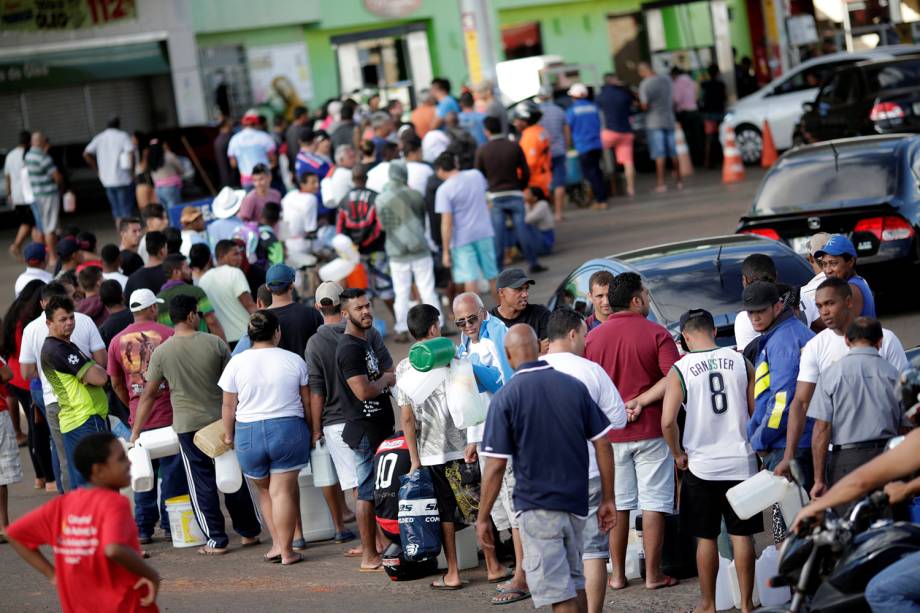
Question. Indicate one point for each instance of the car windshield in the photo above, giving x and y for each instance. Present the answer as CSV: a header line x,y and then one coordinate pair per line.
x,y
894,76
817,181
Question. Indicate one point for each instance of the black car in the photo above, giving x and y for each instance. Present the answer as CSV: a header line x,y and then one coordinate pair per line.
x,y
867,188
869,97
703,273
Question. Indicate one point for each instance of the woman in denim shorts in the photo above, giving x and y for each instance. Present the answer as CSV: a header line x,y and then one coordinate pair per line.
x,y
266,395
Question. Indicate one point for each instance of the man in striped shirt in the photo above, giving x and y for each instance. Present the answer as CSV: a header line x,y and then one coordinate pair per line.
x,y
45,180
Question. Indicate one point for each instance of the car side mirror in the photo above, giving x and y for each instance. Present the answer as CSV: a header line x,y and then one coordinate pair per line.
x,y
808,107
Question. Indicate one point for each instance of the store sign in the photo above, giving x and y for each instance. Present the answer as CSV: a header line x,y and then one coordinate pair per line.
x,y
36,15
392,8
280,77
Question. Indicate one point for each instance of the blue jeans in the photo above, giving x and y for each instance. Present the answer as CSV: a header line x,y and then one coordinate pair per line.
x,y
364,469
541,240
172,483
896,589
39,400
121,200
73,438
169,195
514,206
268,446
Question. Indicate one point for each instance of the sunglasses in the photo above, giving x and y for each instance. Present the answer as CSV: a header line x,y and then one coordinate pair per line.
x,y
469,321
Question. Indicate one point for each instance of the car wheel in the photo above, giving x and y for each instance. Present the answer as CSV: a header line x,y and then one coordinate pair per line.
x,y
750,144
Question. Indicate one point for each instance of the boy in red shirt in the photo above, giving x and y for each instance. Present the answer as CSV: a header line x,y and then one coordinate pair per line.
x,y
98,564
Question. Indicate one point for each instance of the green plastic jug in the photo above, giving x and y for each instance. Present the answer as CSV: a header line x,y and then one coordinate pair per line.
x,y
432,353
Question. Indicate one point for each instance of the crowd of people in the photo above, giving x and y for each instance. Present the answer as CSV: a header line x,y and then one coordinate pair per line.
x,y
191,324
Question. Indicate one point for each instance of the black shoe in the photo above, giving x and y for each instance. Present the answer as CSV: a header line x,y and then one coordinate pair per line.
x,y
538,268
145,540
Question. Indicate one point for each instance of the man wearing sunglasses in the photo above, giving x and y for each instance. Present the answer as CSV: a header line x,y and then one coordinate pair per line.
x,y
807,293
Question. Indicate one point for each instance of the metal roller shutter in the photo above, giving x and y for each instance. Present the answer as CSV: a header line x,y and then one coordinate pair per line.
x,y
60,113
11,122
129,99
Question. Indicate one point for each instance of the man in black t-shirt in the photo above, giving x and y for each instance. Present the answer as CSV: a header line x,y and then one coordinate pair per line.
x,y
152,276
297,321
514,306
367,409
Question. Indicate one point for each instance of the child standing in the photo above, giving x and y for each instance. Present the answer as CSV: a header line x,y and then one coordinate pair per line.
x,y
97,557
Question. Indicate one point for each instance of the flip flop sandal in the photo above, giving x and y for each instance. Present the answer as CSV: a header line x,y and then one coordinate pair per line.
x,y
441,585
297,560
258,541
668,582
207,551
375,569
519,595
350,554
275,559
503,577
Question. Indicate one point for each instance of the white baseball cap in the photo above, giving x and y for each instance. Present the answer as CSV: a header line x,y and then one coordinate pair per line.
x,y
142,299
578,90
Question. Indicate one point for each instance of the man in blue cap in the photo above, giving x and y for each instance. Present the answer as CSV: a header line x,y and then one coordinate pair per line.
x,y
35,257
297,321
838,257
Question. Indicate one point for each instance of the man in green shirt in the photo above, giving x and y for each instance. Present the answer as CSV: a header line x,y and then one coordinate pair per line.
x,y
77,382
179,283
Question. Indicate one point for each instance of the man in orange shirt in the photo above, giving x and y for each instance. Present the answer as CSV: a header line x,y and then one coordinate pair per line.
x,y
425,114
534,141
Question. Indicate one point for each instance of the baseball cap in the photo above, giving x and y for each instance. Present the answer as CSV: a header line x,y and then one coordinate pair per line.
x,y
515,278
190,214
320,135
817,242
696,314
759,295
67,247
328,290
838,244
279,275
34,252
141,299
250,118
578,90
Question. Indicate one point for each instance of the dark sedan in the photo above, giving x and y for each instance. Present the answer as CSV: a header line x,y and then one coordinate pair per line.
x,y
703,273
867,188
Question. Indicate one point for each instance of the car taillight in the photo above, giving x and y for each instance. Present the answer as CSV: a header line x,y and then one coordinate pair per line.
x,y
765,232
888,228
883,111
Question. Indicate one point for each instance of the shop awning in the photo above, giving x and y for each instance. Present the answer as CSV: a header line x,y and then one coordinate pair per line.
x,y
51,69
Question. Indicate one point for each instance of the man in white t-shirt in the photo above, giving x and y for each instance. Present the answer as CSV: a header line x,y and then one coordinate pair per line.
x,y
834,299
807,293
337,185
85,336
716,386
419,171
566,331
250,147
228,290
755,267
298,219
111,154
13,166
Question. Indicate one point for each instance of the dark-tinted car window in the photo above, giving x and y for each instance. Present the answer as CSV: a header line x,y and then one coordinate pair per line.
x,y
894,76
808,78
839,89
816,181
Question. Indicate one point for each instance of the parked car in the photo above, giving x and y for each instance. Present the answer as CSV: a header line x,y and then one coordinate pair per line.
x,y
703,273
780,101
867,188
870,97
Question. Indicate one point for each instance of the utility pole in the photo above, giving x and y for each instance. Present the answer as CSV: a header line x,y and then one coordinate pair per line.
x,y
476,17
722,36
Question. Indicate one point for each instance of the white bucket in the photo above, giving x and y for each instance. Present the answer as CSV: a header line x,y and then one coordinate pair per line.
x,y
467,550
314,514
723,586
227,472
752,496
182,523
142,477
159,443
321,466
765,569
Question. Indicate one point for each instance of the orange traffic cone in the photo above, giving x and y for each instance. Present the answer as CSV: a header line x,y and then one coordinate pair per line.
x,y
732,166
768,155
683,152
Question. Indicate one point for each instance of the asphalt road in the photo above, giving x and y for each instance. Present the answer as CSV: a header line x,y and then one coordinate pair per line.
x,y
330,582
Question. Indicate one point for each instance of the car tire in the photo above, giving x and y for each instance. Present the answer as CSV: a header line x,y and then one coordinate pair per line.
x,y
750,144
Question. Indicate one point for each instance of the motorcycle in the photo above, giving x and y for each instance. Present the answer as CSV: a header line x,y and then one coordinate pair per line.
x,y
829,563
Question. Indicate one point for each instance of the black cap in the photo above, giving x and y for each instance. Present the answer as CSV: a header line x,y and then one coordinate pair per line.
x,y
515,278
759,295
696,314
67,247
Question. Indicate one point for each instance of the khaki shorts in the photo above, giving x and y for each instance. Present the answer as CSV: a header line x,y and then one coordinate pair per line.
x,y
10,466
552,543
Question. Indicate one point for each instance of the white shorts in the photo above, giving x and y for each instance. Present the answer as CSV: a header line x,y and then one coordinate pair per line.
x,y
644,476
343,456
10,466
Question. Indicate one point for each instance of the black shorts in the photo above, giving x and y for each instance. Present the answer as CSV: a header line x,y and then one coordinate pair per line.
x,y
444,493
703,505
23,215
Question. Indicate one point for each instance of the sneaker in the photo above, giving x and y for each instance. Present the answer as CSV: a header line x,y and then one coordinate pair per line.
x,y
299,544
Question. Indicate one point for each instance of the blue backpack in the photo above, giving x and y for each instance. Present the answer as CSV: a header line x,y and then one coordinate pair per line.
x,y
419,522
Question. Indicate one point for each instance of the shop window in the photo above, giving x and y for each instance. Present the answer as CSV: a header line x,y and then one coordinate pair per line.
x,y
523,40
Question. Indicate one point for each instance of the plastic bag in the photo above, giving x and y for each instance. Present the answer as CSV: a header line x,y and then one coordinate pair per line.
x,y
466,405
419,522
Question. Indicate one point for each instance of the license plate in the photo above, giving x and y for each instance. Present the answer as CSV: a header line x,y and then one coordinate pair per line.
x,y
799,244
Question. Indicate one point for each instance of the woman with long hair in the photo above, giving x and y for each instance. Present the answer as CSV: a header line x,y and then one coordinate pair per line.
x,y
24,309
143,185
265,411
166,172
